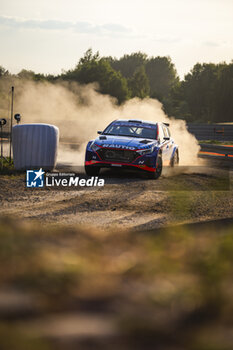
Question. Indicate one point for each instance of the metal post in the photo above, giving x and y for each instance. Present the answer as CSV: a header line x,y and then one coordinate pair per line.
x,y
1,148
12,111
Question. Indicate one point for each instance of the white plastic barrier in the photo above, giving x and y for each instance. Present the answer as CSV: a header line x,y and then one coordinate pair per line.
x,y
35,146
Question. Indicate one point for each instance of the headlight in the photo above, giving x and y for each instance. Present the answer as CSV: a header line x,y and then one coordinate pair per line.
x,y
146,151
94,147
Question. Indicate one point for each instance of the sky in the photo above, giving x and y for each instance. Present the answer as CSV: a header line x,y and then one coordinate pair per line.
x,y
48,36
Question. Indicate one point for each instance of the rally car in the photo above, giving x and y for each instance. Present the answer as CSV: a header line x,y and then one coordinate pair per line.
x,y
134,144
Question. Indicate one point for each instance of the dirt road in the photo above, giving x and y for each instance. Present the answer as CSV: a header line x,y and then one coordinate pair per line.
x,y
127,200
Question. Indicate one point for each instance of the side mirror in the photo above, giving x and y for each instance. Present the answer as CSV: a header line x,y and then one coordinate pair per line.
x,y
166,138
99,132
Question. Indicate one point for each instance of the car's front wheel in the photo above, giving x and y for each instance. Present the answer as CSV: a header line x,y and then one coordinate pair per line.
x,y
91,170
159,167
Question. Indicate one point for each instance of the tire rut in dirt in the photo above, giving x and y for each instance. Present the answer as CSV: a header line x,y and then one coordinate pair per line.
x,y
90,202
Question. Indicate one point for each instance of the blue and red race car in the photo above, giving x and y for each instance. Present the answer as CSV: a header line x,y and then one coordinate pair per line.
x,y
134,144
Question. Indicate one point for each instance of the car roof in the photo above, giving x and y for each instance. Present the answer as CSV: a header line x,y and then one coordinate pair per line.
x,y
140,121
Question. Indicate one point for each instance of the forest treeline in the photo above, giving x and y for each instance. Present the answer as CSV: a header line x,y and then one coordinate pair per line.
x,y
204,95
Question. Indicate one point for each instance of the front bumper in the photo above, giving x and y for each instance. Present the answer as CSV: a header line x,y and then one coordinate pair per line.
x,y
104,164
131,160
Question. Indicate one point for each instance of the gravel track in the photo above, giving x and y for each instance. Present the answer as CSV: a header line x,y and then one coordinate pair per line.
x,y
128,200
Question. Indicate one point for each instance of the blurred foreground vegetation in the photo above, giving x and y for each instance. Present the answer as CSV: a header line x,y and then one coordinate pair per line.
x,y
69,288
205,94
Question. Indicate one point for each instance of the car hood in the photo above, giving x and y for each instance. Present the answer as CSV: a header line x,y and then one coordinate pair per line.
x,y
124,142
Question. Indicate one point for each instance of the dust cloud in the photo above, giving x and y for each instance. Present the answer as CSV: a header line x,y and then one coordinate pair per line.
x,y
80,111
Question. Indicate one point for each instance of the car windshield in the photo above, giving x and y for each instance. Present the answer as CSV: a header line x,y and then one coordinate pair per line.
x,y
132,131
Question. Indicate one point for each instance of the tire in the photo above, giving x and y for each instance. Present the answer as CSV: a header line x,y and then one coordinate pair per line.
x,y
159,167
91,170
175,159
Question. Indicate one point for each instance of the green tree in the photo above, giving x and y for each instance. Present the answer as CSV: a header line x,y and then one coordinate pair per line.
x,y
199,88
128,64
139,83
223,99
179,106
205,94
26,74
92,68
31,75
160,72
3,72
162,76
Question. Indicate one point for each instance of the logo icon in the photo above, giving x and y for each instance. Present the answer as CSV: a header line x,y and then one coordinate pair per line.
x,y
35,178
